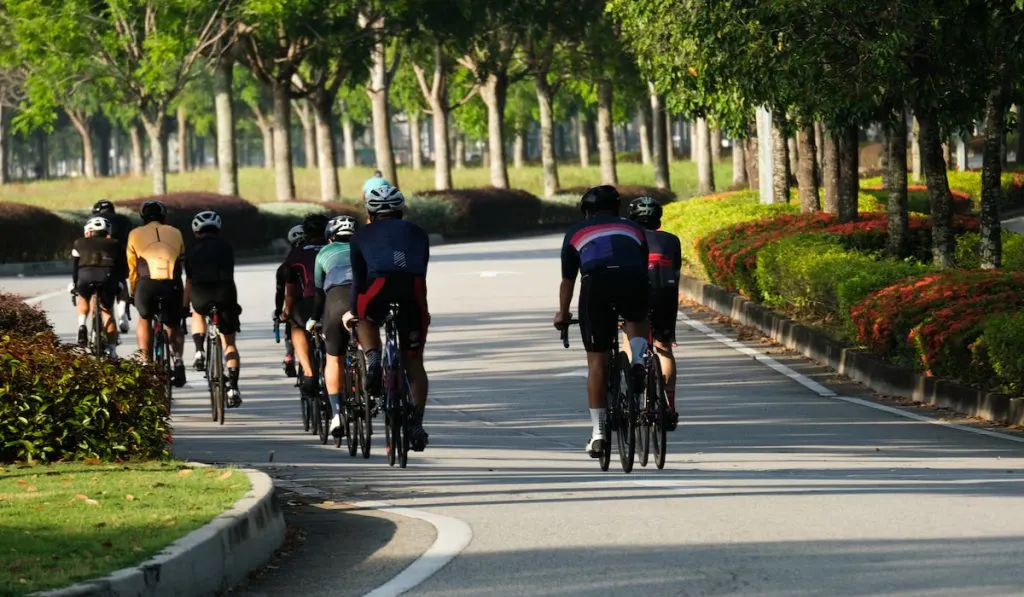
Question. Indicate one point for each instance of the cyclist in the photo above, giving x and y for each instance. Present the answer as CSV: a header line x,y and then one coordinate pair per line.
x,y
299,293
120,226
374,182
97,258
332,275
155,252
611,254
389,265
664,263
210,282
296,237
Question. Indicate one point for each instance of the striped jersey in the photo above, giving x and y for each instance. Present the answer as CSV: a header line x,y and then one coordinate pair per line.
x,y
333,266
604,243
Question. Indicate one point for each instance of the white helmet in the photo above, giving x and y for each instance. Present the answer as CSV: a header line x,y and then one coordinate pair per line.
x,y
97,224
296,235
384,199
206,219
340,226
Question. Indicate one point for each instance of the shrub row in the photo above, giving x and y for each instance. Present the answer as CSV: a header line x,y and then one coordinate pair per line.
x,y
969,184
59,403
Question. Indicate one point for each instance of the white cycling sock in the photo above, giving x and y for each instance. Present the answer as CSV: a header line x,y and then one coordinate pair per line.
x,y
119,307
596,416
81,320
637,346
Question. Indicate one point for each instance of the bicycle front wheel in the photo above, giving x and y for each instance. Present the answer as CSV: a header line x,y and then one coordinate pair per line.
x,y
97,327
215,367
659,434
625,415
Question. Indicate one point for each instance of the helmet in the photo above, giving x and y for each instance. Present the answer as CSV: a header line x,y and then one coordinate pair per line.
x,y
103,207
97,224
314,225
601,198
205,220
296,235
375,182
384,199
341,227
644,209
153,210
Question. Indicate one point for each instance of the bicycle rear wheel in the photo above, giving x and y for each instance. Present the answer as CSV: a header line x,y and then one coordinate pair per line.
x,y
97,326
363,400
645,419
605,456
659,434
162,358
215,365
322,405
625,431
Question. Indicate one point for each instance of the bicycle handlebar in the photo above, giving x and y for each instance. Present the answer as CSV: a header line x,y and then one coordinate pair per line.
x,y
565,331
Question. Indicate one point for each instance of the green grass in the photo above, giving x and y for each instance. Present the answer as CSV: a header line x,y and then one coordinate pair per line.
x,y
65,523
257,184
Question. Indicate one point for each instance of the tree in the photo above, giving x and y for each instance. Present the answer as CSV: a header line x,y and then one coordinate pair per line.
x,y
354,106
255,95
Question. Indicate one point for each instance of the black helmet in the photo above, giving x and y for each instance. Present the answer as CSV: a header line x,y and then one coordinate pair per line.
x,y
314,226
103,206
601,198
645,211
153,210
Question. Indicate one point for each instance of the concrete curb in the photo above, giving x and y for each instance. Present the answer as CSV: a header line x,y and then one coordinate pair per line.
x,y
207,561
860,366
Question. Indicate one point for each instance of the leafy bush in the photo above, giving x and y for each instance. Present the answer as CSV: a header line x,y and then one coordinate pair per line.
x,y
628,193
968,251
29,233
58,403
1001,348
20,319
243,226
970,184
918,199
488,210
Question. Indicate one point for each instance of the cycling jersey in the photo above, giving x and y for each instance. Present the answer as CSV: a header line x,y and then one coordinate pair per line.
x,y
604,243
154,253
98,253
333,266
300,266
281,279
120,226
210,260
387,246
664,260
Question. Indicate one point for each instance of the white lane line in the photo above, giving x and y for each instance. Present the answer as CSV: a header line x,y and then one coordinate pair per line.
x,y
574,373
42,297
826,393
453,535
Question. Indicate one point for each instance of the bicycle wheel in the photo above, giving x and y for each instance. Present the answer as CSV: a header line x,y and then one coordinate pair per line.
x,y
625,431
363,399
322,404
605,456
646,416
97,326
215,364
162,357
209,373
306,411
659,434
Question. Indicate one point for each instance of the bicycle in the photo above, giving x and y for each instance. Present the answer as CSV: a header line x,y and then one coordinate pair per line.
x,y
622,412
398,409
319,406
358,410
653,409
97,330
215,378
162,351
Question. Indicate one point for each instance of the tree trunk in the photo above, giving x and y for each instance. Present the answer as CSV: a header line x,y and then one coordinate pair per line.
x,y
138,161
807,180
938,190
305,114
694,141
283,174
605,134
780,159
819,146
415,144
157,133
739,163
644,132
383,152
793,164
323,116
3,146
267,131
991,175
103,133
494,93
947,155
348,137
659,142
442,157
753,174
883,160
849,158
583,139
518,149
547,136
915,151
227,160
182,139
1020,134
898,241
705,168
830,172
716,146
460,151
83,124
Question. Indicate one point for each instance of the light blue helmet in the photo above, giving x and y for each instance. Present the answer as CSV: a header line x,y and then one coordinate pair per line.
x,y
374,183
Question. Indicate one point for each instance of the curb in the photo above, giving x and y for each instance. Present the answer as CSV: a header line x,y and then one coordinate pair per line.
x,y
860,366
207,561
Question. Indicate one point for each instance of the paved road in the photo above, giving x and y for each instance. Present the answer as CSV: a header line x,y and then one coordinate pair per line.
x,y
770,489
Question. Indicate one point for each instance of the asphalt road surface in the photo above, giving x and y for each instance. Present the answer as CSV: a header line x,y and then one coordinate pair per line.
x,y
771,488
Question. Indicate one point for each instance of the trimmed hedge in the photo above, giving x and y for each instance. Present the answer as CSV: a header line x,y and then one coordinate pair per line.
x,y
19,318
628,193
29,233
1000,349
919,201
969,184
486,211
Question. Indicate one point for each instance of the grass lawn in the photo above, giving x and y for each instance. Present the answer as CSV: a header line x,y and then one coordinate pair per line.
x,y
65,523
257,184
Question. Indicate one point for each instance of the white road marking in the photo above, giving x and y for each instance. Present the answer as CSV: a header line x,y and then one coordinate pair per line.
x,y
489,274
43,297
826,393
574,373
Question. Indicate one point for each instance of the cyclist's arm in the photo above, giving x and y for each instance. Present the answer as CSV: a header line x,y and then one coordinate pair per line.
x,y
279,290
570,268
358,274
132,256
75,255
320,297
677,259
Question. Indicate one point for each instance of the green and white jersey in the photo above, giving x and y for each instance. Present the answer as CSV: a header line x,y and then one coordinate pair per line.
x,y
333,266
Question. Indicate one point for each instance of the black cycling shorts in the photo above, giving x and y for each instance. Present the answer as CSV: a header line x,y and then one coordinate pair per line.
x,y
302,310
222,295
604,295
147,292
88,276
410,292
335,307
664,311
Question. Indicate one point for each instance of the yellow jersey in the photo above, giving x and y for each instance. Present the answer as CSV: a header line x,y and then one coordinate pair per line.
x,y
154,252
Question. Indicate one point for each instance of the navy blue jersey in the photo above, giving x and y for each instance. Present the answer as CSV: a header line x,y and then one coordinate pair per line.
x,y
604,243
387,246
665,258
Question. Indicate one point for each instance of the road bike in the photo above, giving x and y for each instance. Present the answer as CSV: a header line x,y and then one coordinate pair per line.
x,y
215,378
622,412
398,410
358,408
318,405
97,342
653,409
163,356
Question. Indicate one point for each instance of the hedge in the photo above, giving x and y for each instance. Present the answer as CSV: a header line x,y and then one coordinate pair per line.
x,y
627,193
919,201
29,233
999,348
486,211
19,318
969,183
968,251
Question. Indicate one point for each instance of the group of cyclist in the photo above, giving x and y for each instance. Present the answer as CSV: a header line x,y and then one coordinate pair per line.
x,y
341,276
